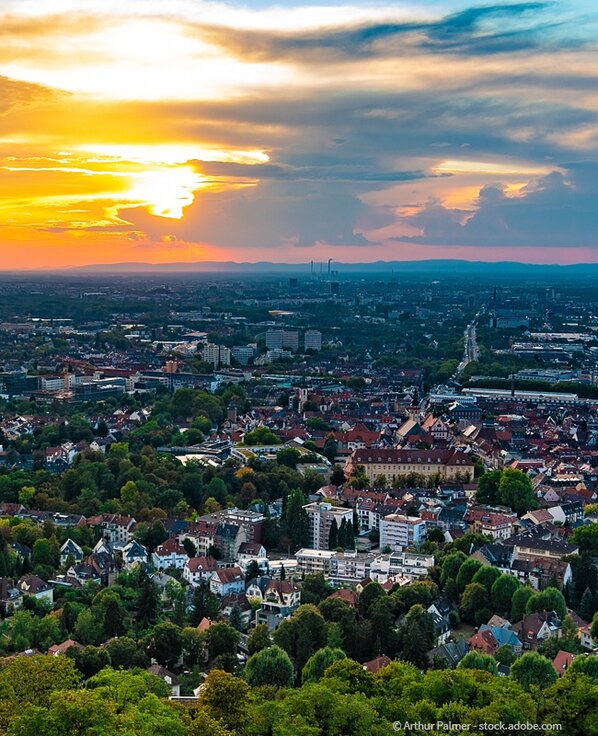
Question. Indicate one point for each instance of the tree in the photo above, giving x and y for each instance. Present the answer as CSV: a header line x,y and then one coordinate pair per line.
x,y
235,619
259,639
189,547
519,602
416,636
333,535
297,520
205,603
451,566
502,592
474,604
368,596
315,588
44,554
302,634
487,491
550,599
88,630
466,572
533,670
505,655
351,674
165,644
261,436
588,605
89,661
124,653
319,662
487,575
222,639
436,535
270,666
515,490
479,661
337,476
225,698
147,600
32,680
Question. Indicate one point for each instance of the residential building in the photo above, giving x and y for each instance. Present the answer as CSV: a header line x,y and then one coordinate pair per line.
x,y
227,581
313,340
199,569
397,531
321,515
169,554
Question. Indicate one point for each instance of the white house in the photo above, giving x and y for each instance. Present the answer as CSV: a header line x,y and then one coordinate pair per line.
x,y
227,581
199,569
170,553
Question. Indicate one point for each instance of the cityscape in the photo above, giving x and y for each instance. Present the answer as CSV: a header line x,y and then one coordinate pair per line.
x,y
325,481
298,368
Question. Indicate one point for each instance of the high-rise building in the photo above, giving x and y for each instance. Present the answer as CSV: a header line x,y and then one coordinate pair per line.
x,y
290,340
313,340
274,339
243,354
321,516
216,354
399,532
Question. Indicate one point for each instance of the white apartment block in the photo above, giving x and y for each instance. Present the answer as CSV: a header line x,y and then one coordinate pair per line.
x,y
313,340
320,517
404,564
399,532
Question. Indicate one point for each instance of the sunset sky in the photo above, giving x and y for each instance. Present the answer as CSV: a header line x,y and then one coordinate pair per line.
x,y
147,130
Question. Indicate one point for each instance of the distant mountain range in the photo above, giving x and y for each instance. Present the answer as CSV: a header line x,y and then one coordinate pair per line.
x,y
441,267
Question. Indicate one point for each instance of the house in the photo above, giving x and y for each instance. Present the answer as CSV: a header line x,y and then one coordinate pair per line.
x,y
280,599
562,662
166,675
504,637
442,629
348,596
118,529
57,649
537,628
256,588
170,553
70,550
36,587
134,554
483,641
227,581
450,653
441,607
239,601
252,552
375,665
10,596
199,569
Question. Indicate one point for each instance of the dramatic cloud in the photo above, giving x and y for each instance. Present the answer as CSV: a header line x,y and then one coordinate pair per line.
x,y
558,210
216,130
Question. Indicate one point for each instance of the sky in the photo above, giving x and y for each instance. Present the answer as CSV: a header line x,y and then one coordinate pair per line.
x,y
185,130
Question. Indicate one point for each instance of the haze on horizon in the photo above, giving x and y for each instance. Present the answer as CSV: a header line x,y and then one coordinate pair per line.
x,y
189,130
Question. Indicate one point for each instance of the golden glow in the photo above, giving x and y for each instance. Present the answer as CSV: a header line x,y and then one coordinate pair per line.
x,y
166,192
174,153
488,167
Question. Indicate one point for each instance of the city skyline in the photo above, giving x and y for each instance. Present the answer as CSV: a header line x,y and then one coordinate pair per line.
x,y
194,131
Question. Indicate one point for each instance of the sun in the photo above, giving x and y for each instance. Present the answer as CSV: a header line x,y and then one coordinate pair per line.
x,y
166,192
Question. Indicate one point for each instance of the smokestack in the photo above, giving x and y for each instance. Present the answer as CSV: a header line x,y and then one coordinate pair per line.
x,y
329,262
